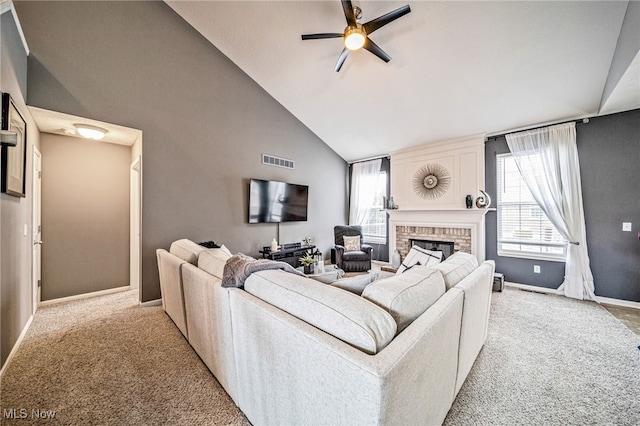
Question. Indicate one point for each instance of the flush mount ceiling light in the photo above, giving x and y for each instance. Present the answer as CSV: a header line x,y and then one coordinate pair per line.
x,y
91,132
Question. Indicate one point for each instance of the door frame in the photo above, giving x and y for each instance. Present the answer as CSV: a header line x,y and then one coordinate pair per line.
x,y
36,228
135,209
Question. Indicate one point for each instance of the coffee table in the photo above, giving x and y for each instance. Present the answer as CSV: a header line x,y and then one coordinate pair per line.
x,y
331,273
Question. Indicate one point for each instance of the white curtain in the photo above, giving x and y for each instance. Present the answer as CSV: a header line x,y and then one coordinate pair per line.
x,y
364,182
548,162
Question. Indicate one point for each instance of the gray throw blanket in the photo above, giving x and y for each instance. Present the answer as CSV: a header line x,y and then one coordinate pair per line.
x,y
240,266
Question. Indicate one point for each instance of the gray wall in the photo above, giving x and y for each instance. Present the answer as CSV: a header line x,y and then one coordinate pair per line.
x,y
609,151
15,247
85,216
205,123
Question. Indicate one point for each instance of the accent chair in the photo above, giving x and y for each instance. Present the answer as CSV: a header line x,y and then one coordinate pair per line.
x,y
351,260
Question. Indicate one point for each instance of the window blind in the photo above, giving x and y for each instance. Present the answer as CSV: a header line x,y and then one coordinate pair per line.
x,y
523,228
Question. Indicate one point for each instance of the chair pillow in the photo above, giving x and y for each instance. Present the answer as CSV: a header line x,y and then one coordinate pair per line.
x,y
408,295
344,315
351,243
419,256
213,260
186,250
456,267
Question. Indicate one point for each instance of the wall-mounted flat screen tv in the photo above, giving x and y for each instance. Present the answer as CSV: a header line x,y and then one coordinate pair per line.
x,y
274,202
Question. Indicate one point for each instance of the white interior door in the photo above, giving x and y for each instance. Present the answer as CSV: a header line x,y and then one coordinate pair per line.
x,y
37,227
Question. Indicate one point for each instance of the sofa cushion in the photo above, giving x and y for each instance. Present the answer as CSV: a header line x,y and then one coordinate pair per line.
x,y
456,267
357,283
408,295
213,260
419,256
338,313
186,250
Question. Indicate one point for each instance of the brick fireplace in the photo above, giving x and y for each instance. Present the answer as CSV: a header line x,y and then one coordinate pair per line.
x,y
465,228
444,217
405,235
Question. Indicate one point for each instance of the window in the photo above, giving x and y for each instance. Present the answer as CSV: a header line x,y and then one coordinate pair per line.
x,y
523,228
374,227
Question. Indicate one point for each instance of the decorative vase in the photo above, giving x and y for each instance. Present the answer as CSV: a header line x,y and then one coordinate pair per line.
x,y
274,245
395,259
307,269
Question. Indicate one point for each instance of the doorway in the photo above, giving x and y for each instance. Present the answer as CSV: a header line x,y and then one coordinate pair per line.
x,y
92,241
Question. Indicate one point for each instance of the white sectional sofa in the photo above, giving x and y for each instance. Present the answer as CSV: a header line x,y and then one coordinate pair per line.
x,y
292,350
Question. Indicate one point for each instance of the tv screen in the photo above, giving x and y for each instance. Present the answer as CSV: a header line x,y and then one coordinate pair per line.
x,y
273,202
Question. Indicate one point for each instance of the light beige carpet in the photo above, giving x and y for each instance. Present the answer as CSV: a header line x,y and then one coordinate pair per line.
x,y
548,360
107,361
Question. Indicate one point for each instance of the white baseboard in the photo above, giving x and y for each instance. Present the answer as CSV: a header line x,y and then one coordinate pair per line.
x,y
533,288
605,300
15,347
618,302
157,302
84,296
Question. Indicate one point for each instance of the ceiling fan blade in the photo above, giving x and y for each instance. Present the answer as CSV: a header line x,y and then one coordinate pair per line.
x,y
383,20
375,49
341,59
321,35
348,13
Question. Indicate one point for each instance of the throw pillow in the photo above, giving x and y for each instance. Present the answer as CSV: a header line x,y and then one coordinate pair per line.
x,y
407,296
352,243
419,256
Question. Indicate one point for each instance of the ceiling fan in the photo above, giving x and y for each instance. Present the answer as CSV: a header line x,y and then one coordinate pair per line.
x,y
356,35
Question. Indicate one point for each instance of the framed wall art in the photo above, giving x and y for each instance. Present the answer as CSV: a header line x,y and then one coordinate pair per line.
x,y
14,158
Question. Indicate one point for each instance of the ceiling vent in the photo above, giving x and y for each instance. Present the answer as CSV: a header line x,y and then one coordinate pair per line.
x,y
271,160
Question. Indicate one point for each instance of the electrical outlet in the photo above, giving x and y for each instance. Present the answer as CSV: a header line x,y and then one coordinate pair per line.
x,y
536,269
626,226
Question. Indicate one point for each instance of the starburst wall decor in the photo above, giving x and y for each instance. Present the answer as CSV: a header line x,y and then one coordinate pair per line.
x,y
431,181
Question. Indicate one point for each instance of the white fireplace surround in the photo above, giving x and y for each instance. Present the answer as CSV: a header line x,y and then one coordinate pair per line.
x,y
472,219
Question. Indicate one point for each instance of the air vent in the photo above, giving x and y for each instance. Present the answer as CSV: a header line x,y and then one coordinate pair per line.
x,y
271,160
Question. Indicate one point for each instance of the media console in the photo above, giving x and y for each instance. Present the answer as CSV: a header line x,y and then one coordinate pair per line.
x,y
290,253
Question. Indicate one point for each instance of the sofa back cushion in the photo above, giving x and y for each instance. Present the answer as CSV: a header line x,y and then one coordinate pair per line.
x,y
408,295
334,311
456,267
186,250
213,260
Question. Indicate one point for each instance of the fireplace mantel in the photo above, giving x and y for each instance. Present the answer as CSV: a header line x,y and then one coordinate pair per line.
x,y
472,219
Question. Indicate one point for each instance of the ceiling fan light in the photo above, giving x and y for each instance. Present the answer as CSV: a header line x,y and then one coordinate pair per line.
x,y
354,38
91,132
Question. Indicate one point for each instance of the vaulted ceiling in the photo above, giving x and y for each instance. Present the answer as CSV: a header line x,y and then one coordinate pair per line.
x,y
457,68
